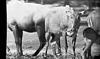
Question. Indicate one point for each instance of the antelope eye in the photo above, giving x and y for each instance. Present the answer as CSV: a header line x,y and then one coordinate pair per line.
x,y
71,17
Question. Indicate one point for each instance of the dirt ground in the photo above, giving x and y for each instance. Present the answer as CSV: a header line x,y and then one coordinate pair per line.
x,y
31,43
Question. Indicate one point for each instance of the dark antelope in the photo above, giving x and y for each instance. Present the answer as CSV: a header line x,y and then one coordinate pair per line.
x,y
92,34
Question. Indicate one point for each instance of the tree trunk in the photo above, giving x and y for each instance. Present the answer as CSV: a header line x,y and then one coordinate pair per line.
x,y
42,2
26,1
90,3
66,2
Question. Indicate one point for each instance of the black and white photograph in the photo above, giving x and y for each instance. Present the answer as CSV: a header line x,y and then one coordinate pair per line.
x,y
53,29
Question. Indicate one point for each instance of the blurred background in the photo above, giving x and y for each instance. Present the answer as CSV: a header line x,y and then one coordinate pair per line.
x,y
90,3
